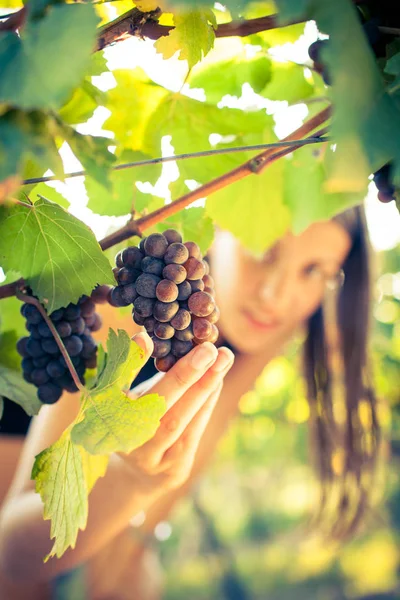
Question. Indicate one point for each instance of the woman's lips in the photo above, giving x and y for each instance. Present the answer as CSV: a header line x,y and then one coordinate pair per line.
x,y
261,325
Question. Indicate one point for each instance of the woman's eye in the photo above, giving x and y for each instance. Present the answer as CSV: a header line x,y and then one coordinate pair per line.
x,y
313,270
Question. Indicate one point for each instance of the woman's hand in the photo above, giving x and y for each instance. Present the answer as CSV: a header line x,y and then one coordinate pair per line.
x,y
191,389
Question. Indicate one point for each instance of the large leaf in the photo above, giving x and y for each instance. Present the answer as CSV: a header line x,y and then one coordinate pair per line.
x,y
112,421
288,82
124,191
192,36
64,476
228,76
131,103
40,68
12,386
55,252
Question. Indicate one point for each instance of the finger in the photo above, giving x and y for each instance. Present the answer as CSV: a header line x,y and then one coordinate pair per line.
x,y
185,372
145,342
176,419
187,444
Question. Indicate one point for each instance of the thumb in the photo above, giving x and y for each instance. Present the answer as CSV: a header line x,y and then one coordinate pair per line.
x,y
145,342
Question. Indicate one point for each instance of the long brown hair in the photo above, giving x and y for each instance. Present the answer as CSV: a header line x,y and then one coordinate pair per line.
x,y
353,438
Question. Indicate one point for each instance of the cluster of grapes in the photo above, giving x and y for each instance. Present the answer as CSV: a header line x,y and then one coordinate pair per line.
x,y
172,293
383,182
42,362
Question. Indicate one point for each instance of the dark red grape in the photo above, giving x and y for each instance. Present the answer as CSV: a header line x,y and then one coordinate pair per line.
x,y
141,245
197,285
132,257
115,271
55,369
149,324
128,293
201,304
72,312
185,335
155,245
181,320
39,377
50,346
77,326
209,290
172,236
27,365
116,298
208,281
161,347
100,293
164,331
127,275
34,347
89,346
146,285
137,318
64,328
57,315
90,320
176,253
165,363
144,306
193,250
91,362
152,265
97,323
21,346
73,345
202,328
165,311
32,315
88,308
214,316
184,291
179,348
49,393
118,260
175,273
206,267
44,330
167,291
194,268
41,361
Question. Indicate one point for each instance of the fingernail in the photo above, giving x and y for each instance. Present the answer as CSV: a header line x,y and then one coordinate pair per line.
x,y
141,338
204,355
224,360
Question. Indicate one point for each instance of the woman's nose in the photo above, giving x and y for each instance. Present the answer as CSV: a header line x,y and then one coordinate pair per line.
x,y
277,290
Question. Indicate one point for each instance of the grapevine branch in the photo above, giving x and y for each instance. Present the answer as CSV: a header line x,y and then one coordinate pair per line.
x,y
164,159
253,166
30,300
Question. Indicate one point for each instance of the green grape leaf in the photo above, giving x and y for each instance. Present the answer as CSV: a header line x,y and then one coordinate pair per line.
x,y
131,104
92,151
192,36
304,192
15,388
112,421
56,253
64,475
228,76
80,105
193,224
288,82
39,69
50,193
124,191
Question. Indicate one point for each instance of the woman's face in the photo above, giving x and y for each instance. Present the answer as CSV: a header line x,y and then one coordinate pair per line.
x,y
263,300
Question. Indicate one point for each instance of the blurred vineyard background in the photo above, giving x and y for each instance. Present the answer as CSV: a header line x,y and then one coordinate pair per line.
x,y
241,534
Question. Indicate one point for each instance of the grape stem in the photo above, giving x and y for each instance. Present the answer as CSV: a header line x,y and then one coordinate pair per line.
x,y
253,166
30,300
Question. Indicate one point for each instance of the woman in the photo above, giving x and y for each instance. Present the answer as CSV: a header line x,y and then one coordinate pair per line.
x,y
263,303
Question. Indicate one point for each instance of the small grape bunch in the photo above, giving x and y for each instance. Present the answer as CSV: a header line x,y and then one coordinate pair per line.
x,y
314,52
383,182
42,362
172,293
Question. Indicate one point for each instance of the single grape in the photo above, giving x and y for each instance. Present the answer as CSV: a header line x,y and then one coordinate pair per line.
x,y
49,393
41,361
98,322
385,198
194,268
176,253
146,285
201,304
132,257
209,290
138,319
39,377
164,331
214,316
167,291
193,250
88,346
149,324
73,345
161,347
141,245
179,348
211,338
77,326
185,335
184,291
50,346
32,315
172,236
165,363
206,267
314,50
202,328
91,362
175,273
21,346
128,293
115,271
144,306
27,364
100,293
88,308
152,265
127,275
208,281
33,330
73,311
116,298
57,315
181,320
55,369
34,347
155,245
27,377
197,285
118,260
90,320
165,311
64,328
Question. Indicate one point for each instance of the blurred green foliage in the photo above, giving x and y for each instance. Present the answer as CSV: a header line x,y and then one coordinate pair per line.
x,y
242,534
